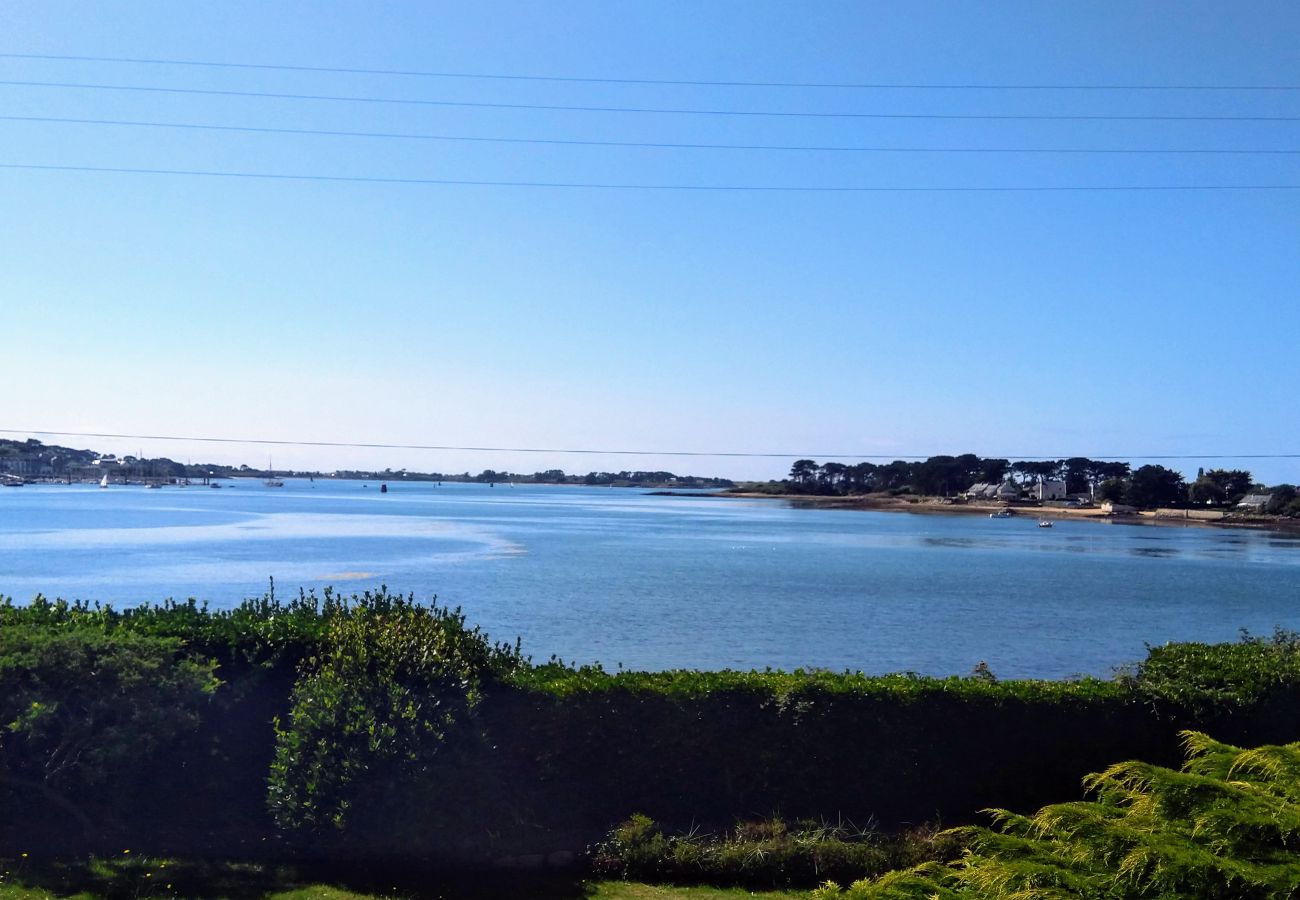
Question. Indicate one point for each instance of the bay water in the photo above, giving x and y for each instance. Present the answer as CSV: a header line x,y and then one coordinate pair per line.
x,y
621,576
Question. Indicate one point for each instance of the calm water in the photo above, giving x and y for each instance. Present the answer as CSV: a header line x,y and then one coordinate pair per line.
x,y
618,576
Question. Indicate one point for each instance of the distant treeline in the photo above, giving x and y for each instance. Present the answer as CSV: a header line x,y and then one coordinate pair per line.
x,y
550,476
33,459
948,476
378,727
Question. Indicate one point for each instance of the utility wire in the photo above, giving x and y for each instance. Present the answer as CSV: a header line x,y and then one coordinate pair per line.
x,y
638,144
596,185
664,81
801,114
588,451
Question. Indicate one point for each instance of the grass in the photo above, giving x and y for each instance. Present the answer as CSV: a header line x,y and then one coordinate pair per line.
x,y
141,878
631,890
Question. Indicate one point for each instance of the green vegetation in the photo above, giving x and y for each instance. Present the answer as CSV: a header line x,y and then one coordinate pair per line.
x,y
389,686
32,459
763,854
1148,486
1226,825
131,876
626,890
380,731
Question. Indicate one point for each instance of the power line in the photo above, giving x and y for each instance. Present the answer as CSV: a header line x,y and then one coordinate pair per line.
x,y
595,185
591,452
802,114
965,86
639,144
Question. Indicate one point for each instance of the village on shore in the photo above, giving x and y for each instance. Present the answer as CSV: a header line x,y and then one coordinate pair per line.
x,y
1048,489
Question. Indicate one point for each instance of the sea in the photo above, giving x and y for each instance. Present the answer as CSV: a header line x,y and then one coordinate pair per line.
x,y
627,578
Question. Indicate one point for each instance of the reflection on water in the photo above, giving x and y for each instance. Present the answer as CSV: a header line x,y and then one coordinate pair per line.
x,y
1155,552
957,542
659,582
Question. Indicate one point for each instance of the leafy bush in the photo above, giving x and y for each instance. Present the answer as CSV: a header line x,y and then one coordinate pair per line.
x,y
85,716
760,854
391,684
1227,825
1250,688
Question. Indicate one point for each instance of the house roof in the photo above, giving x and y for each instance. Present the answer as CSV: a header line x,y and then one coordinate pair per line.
x,y
1255,499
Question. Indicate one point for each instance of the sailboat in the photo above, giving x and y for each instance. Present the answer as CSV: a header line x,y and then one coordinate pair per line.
x,y
271,481
103,482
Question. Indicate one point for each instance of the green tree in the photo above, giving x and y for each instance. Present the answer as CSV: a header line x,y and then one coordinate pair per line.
x,y
862,477
940,475
1102,470
1112,490
830,477
1235,483
1205,492
993,470
1078,475
1152,486
1284,495
803,473
1032,470
895,475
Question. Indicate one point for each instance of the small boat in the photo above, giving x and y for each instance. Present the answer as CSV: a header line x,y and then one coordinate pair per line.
x,y
1000,514
1044,524
103,482
214,485
271,481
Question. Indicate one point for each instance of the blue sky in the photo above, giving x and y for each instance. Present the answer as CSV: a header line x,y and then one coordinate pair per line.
x,y
1064,323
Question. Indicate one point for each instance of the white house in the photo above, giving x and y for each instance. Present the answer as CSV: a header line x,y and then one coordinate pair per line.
x,y
1048,490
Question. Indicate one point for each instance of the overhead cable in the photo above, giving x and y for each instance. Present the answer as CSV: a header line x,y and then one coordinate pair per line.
x,y
801,114
588,451
249,129
597,185
881,85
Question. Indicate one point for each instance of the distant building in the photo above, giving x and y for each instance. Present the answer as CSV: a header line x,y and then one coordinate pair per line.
x,y
982,491
1009,490
1255,502
1048,490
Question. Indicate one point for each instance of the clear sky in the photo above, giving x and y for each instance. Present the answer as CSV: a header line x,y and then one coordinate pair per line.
x,y
1000,323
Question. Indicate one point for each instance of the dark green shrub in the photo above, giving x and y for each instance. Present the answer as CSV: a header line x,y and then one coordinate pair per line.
x,y
86,717
390,687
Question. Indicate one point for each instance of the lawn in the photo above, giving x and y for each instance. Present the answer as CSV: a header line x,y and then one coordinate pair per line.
x,y
142,878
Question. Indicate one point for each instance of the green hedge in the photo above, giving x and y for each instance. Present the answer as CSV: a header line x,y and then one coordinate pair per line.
x,y
375,726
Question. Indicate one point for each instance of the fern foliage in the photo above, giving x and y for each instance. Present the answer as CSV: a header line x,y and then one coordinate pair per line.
x,y
1225,825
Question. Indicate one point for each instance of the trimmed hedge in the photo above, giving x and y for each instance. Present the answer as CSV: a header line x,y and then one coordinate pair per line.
x,y
387,728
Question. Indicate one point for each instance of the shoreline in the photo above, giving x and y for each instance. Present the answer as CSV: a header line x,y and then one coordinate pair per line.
x,y
931,506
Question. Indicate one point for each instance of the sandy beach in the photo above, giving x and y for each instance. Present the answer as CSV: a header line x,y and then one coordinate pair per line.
x,y
939,506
